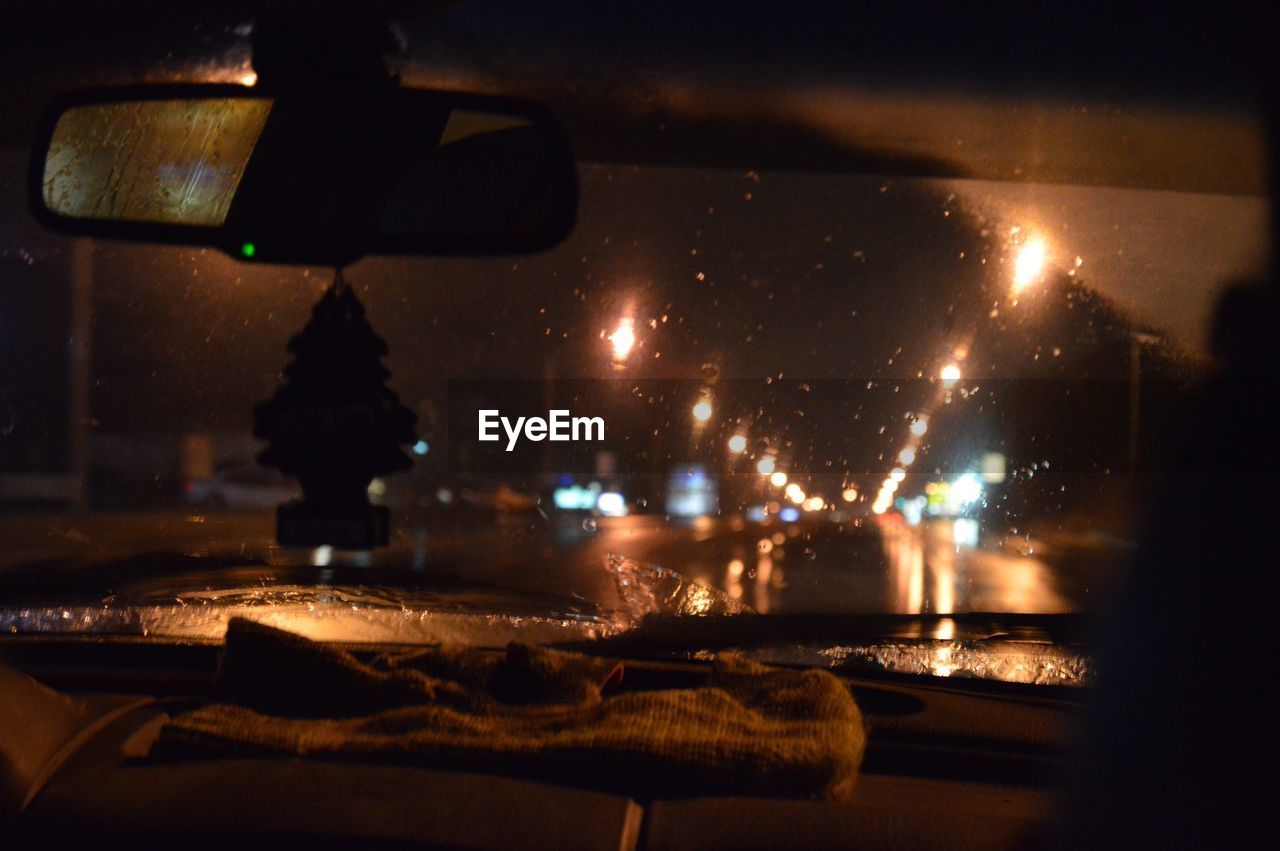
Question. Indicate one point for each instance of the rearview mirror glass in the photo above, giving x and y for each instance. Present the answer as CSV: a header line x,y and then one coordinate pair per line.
x,y
306,179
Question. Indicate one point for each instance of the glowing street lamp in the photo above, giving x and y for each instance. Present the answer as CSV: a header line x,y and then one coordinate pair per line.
x,y
1028,266
849,494
623,339
702,411
778,479
907,456
738,444
920,426
765,465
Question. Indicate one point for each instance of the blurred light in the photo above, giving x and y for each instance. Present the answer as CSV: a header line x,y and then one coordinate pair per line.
x,y
765,465
964,531
690,491
942,665
421,448
993,468
849,494
691,504
897,474
702,411
789,515
321,556
736,567
1029,264
248,250
756,513
377,487
966,489
623,339
919,427
444,496
950,375
764,545
813,503
575,497
795,493
611,504
737,444
778,479
907,456
889,486
249,78
880,507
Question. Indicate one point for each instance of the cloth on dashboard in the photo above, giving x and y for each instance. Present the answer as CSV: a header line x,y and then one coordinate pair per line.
x,y
536,713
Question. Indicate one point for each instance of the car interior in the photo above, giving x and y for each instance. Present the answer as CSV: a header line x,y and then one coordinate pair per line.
x,y
1152,729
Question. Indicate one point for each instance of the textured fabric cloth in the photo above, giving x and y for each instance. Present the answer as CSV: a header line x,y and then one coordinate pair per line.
x,y
536,713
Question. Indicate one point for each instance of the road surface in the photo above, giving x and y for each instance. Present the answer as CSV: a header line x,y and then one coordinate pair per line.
x,y
878,565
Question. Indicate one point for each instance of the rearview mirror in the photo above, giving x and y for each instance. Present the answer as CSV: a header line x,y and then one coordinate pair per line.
x,y
316,178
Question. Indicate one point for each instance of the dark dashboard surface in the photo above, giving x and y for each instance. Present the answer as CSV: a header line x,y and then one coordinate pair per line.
x,y
948,764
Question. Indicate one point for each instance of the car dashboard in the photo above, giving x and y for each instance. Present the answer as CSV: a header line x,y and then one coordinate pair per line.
x,y
949,763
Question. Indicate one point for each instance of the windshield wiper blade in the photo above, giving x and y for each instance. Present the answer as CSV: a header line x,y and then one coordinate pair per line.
x,y
675,633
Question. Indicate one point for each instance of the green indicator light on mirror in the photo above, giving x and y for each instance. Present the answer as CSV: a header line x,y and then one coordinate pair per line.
x,y
248,249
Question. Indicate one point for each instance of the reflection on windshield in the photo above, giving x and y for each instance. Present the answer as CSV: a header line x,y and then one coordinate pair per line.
x,y
322,614
648,589
1012,662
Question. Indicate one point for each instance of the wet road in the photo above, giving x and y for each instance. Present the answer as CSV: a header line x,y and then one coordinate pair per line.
x,y
940,566
876,566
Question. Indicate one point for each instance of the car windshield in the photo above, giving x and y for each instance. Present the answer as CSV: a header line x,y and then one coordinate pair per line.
x,y
871,390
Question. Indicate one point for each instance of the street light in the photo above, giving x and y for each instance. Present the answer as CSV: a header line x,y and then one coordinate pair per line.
x,y
919,427
765,465
778,479
623,339
849,494
907,456
738,444
1029,264
702,411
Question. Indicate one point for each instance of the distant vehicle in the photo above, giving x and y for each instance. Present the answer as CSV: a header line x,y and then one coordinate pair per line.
x,y
241,487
